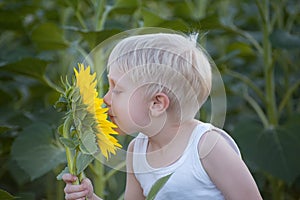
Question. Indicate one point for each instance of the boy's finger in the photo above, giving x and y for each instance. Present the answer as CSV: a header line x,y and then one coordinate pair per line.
x,y
76,195
86,182
73,188
69,178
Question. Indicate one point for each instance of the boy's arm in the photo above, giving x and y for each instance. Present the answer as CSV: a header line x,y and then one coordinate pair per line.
x,y
133,188
226,169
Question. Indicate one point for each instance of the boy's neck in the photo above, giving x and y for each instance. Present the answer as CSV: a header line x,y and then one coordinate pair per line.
x,y
171,133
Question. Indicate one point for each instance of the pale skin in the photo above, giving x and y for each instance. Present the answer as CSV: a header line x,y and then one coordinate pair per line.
x,y
225,168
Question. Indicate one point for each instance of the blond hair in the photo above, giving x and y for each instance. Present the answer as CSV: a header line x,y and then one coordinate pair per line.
x,y
169,63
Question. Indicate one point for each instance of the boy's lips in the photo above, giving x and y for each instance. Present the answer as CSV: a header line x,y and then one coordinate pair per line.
x,y
111,117
110,114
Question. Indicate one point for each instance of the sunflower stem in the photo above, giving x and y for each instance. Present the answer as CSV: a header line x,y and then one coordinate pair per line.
x,y
99,181
66,129
74,170
70,159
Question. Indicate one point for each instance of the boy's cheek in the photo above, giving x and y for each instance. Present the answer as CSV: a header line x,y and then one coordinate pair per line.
x,y
140,118
138,110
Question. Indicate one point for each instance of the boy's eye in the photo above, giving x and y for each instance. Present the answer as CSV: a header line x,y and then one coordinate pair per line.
x,y
116,91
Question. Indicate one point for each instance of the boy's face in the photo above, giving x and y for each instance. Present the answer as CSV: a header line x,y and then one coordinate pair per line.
x,y
128,107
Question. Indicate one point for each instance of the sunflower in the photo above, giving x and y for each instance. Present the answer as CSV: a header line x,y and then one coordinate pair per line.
x,y
86,83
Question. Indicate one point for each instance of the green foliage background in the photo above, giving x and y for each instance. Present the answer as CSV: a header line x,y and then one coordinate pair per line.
x,y
255,45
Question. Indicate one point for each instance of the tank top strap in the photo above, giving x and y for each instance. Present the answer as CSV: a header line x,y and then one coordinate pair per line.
x,y
199,131
203,128
141,143
140,164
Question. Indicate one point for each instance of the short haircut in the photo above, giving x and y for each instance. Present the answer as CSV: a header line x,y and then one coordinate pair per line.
x,y
169,63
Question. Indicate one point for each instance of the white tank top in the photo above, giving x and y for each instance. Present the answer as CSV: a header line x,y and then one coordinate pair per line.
x,y
189,179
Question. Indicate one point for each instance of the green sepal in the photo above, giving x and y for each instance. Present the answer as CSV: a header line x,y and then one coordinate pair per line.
x,y
70,143
80,112
74,94
69,89
60,129
77,123
73,132
64,171
64,83
88,143
67,125
61,105
157,186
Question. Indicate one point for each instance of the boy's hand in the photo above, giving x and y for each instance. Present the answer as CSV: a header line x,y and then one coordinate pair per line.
x,y
77,192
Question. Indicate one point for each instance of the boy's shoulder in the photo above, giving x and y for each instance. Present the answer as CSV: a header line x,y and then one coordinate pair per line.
x,y
207,142
216,137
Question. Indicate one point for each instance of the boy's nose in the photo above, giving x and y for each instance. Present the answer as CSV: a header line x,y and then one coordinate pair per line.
x,y
107,99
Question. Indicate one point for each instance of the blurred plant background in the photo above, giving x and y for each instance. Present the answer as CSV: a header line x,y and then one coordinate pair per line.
x,y
255,45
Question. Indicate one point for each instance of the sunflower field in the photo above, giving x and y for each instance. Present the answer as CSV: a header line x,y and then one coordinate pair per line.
x,y
254,43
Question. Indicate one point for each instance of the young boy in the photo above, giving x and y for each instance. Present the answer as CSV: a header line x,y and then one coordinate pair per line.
x,y
158,82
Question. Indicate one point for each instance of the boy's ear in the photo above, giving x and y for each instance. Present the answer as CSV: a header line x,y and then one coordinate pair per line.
x,y
159,104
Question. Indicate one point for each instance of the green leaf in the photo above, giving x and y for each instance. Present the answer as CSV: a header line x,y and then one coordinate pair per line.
x,y
127,3
176,24
64,171
285,40
271,150
157,186
18,174
242,48
83,160
153,20
207,23
35,152
123,7
27,66
49,36
96,37
5,195
26,195
4,128
10,19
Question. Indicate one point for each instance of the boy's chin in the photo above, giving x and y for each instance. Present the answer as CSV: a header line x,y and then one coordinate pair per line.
x,y
123,133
